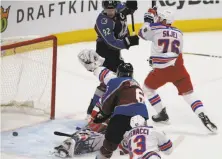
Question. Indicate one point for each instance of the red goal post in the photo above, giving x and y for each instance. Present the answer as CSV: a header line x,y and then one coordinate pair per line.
x,y
32,45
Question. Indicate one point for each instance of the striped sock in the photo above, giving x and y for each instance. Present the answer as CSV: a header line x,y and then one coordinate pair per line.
x,y
155,101
197,106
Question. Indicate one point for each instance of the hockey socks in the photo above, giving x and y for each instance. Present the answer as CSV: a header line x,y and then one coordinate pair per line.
x,y
198,109
194,102
153,98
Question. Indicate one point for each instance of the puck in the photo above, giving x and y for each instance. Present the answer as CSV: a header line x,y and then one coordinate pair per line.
x,y
15,133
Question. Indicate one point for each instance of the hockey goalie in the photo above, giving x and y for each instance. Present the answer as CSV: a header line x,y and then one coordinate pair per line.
x,y
84,140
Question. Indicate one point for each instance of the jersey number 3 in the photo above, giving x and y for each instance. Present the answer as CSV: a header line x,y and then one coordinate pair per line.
x,y
140,141
169,46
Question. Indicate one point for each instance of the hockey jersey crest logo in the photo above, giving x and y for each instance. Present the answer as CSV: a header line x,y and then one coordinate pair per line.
x,y
104,21
4,18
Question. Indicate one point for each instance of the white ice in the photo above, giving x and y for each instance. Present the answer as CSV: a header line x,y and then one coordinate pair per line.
x,y
75,87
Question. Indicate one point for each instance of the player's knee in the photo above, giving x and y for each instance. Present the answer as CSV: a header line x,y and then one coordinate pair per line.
x,y
184,86
108,148
189,97
148,91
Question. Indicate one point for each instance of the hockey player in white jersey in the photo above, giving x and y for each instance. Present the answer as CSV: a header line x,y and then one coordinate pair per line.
x,y
145,142
167,62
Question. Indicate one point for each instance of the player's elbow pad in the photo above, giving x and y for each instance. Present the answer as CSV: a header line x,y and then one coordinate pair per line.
x,y
166,148
169,151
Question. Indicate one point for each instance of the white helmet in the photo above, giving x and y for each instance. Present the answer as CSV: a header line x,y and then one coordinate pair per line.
x,y
137,120
166,15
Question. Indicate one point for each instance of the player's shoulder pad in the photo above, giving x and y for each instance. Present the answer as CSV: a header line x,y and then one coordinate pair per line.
x,y
117,82
176,29
155,26
104,21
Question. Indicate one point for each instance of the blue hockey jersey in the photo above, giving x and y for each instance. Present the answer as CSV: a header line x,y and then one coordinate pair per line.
x,y
123,95
112,30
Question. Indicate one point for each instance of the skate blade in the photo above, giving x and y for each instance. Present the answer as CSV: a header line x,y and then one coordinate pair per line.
x,y
213,130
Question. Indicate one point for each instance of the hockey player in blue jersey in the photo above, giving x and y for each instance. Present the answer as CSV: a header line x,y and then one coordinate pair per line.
x,y
122,100
112,37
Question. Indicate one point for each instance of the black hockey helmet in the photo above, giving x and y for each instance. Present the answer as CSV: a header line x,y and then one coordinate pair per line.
x,y
125,70
109,4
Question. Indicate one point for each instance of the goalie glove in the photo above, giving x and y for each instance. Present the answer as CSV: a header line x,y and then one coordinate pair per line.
x,y
90,59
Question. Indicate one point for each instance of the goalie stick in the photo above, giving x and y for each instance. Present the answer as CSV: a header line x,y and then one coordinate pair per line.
x,y
63,134
58,133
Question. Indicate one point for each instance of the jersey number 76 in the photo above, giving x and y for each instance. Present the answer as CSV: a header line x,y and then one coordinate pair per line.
x,y
169,46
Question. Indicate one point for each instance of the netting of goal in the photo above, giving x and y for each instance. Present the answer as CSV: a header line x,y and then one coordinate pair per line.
x,y
28,75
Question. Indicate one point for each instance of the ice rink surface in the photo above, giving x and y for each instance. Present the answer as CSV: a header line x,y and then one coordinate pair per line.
x,y
75,87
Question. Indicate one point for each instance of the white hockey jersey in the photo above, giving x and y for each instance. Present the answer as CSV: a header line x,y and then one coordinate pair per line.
x,y
145,141
167,43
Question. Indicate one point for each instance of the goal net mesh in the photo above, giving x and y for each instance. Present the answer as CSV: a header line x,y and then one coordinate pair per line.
x,y
28,70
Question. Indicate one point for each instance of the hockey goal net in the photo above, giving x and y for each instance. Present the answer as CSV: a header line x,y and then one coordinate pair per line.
x,y
28,75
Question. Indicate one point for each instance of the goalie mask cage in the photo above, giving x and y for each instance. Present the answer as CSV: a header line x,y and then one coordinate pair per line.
x,y
28,76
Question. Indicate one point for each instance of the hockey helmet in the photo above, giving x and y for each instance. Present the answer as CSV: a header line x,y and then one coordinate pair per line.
x,y
137,120
109,4
167,15
125,70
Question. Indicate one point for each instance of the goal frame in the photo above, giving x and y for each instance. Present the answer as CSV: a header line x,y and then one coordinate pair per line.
x,y
54,63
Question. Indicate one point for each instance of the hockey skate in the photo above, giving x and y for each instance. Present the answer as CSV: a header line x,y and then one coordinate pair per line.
x,y
208,124
161,117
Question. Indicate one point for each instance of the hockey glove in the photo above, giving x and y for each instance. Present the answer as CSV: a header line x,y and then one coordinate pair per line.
x,y
100,117
131,5
131,41
150,15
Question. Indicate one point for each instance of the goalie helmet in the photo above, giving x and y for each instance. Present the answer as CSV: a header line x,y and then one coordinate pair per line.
x,y
125,70
109,4
137,120
166,15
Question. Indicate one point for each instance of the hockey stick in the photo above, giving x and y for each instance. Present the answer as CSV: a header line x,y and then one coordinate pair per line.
x,y
62,134
58,133
133,25
206,55
153,3
178,141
